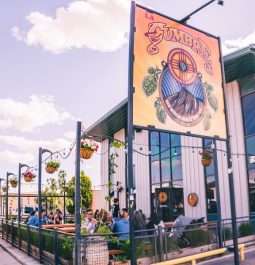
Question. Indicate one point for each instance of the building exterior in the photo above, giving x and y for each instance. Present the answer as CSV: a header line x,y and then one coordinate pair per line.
x,y
170,163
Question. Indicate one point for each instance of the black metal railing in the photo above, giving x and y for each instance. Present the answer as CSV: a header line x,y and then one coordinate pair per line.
x,y
154,245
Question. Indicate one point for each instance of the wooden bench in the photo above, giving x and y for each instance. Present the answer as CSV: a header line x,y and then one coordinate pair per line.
x,y
195,257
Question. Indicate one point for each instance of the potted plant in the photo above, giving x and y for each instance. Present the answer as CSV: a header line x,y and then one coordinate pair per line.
x,y
52,166
28,175
14,182
4,188
88,147
206,158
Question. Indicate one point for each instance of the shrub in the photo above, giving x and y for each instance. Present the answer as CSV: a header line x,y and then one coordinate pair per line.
x,y
198,237
245,229
227,233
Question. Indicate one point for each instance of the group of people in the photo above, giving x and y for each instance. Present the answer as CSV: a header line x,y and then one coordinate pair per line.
x,y
51,218
116,221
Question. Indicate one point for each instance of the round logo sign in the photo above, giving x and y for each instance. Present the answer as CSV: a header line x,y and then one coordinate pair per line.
x,y
181,91
162,197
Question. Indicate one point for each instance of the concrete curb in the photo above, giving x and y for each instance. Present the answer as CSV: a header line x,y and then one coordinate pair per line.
x,y
17,254
227,256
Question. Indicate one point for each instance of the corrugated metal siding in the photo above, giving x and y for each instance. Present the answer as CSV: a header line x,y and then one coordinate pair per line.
x,y
193,176
237,146
141,172
223,179
104,173
120,174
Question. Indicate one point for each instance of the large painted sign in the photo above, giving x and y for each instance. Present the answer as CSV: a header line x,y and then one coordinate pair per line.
x,y
177,77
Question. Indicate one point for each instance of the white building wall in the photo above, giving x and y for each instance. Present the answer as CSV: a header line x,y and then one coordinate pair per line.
x,y
193,176
120,170
142,171
237,147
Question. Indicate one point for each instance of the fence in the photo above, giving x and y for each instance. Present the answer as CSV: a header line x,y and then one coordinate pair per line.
x,y
151,246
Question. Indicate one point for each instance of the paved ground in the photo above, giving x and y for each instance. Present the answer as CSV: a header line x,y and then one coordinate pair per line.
x,y
10,255
6,258
229,260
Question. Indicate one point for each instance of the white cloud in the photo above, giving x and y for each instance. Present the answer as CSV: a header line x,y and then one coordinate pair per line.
x,y
237,44
15,158
24,145
100,25
30,116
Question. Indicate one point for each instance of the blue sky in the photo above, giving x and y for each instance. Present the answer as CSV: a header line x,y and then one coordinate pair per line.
x,y
67,60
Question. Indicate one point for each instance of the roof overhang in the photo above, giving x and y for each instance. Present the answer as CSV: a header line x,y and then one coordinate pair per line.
x,y
110,123
236,65
239,64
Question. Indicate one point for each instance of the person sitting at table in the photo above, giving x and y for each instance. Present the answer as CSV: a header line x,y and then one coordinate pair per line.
x,y
44,217
58,218
50,218
105,219
33,219
89,222
122,226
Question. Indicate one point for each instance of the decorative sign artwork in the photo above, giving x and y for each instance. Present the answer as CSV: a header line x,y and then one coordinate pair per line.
x,y
162,197
177,77
192,199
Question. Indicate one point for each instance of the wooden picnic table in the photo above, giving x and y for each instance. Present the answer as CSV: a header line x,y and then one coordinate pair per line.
x,y
67,229
57,226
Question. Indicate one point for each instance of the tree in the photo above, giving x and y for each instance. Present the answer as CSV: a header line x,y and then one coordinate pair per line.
x,y
86,193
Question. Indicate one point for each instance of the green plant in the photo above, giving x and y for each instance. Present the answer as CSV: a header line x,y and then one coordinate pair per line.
x,y
198,237
206,154
52,163
86,193
245,229
144,249
14,181
227,233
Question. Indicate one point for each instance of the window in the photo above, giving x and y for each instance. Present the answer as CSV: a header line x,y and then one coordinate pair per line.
x,y
247,91
249,113
210,182
166,171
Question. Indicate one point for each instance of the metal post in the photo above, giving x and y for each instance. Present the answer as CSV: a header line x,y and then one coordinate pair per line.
x,y
1,203
64,201
19,210
6,198
130,134
230,171
184,20
28,239
77,196
217,193
39,202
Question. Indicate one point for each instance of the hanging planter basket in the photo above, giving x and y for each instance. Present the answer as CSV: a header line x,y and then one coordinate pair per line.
x,y
65,189
206,159
206,162
50,169
86,153
28,176
52,166
4,189
14,184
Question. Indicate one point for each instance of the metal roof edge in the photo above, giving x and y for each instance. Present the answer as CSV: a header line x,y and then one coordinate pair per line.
x,y
239,53
108,114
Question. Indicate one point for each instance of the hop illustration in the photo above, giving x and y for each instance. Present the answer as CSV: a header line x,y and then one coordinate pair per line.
x,y
160,112
213,101
150,81
207,120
